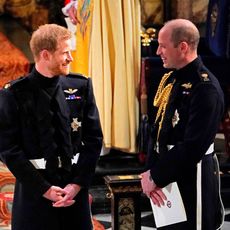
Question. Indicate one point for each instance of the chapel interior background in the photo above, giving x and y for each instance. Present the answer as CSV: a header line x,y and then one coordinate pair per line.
x,y
23,20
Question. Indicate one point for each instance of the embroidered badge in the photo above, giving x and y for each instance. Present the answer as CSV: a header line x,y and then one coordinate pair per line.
x,y
70,91
75,124
187,85
73,97
175,118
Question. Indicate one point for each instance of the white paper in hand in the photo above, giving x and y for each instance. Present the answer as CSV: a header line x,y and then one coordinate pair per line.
x,y
173,211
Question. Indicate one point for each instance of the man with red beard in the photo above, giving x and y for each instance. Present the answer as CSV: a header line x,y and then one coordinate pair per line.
x,y
50,137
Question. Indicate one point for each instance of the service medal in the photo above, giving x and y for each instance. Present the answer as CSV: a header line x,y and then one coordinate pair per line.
x,y
75,124
175,118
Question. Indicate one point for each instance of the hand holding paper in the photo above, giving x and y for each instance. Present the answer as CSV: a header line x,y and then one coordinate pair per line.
x,y
158,197
147,183
173,211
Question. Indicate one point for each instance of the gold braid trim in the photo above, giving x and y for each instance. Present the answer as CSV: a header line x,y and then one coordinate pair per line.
x,y
161,99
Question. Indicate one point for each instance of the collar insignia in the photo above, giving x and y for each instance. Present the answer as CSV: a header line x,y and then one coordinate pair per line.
x,y
70,91
7,85
205,76
187,85
75,124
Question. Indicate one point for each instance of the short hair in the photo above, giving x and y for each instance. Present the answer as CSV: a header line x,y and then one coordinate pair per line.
x,y
47,37
184,30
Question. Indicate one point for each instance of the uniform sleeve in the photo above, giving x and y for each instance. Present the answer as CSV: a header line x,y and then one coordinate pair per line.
x,y
205,112
92,138
11,152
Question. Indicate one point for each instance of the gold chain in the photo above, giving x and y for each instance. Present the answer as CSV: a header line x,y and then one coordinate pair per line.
x,y
161,99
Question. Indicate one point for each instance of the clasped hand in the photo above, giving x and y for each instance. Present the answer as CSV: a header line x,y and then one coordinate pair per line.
x,y
62,197
151,190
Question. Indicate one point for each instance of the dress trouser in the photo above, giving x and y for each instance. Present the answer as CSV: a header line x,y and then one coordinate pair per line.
x,y
200,194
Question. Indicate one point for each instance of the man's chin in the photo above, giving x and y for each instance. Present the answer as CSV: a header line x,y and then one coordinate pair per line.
x,y
65,71
165,65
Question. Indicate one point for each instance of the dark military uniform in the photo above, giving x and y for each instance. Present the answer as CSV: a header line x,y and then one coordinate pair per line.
x,y
49,119
191,121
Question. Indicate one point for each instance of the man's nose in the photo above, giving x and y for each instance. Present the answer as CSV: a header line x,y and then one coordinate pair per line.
x,y
158,51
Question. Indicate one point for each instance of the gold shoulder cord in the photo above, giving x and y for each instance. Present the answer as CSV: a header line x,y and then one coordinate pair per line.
x,y
161,99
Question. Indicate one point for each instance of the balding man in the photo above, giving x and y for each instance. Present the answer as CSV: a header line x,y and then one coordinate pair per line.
x,y
190,107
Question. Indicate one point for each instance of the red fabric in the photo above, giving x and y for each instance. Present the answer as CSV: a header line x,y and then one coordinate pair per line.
x,y
97,225
67,1
13,62
7,196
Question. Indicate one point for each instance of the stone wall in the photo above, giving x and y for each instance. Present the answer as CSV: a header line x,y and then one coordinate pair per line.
x,y
158,11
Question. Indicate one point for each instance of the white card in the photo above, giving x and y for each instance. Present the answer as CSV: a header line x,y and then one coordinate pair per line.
x,y
173,211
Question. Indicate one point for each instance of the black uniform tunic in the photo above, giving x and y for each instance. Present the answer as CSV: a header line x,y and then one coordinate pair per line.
x,y
197,102
49,118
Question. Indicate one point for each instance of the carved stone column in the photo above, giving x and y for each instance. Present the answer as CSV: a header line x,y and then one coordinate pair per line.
x,y
125,194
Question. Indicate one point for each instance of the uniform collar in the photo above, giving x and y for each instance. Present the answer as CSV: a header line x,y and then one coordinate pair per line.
x,y
43,82
182,73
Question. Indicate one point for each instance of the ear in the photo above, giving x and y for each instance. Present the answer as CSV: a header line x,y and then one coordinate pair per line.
x,y
184,47
45,54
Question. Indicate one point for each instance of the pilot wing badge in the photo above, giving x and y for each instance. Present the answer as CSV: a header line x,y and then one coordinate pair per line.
x,y
71,94
187,85
70,91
